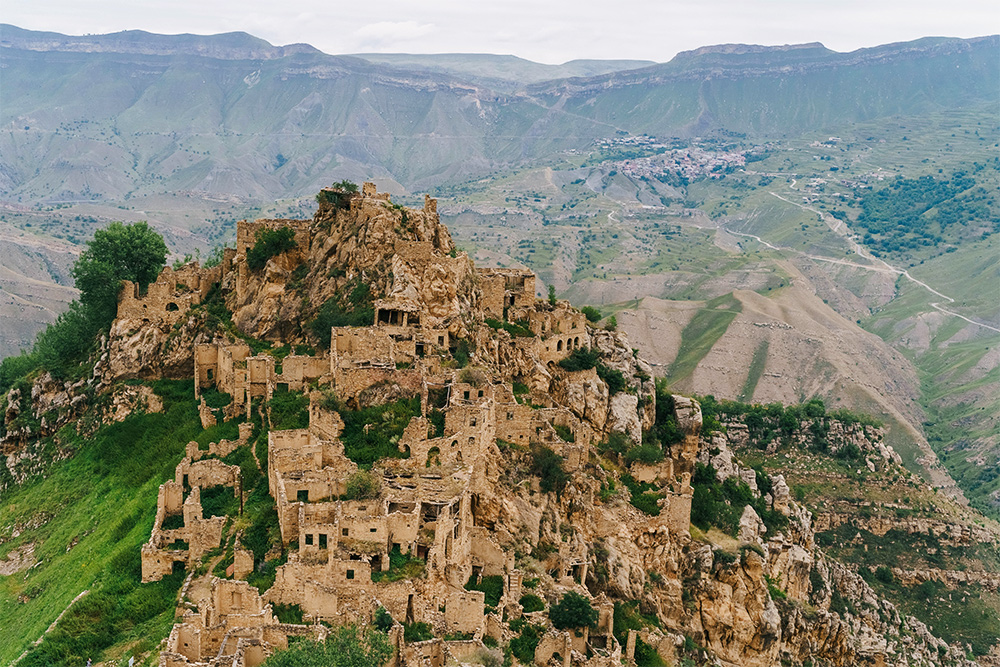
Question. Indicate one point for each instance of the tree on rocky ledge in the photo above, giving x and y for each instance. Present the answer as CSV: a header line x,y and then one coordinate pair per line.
x,y
118,252
573,611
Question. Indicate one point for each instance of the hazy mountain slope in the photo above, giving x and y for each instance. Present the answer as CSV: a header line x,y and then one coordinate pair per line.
x,y
106,125
35,285
506,73
786,90
231,45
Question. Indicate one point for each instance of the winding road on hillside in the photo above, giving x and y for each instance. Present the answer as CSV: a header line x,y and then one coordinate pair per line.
x,y
881,266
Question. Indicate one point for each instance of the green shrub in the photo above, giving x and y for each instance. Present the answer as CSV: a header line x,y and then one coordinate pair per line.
x,y
492,586
372,433
289,409
362,485
383,620
547,465
884,574
517,329
417,632
436,417
288,613
643,495
523,646
401,566
463,353
564,432
219,501
573,611
582,359
646,655
216,399
612,377
648,452
269,243
531,602
591,313
353,305
346,646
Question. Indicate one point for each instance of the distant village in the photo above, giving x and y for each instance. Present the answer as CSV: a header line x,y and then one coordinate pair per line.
x,y
699,160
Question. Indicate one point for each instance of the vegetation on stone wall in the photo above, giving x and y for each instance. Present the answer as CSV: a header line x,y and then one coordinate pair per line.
x,y
269,243
346,646
352,306
573,611
385,424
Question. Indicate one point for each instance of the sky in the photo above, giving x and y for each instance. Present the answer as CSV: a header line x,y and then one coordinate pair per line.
x,y
549,31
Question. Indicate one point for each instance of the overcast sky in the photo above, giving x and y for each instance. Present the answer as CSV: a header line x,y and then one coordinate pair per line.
x,y
550,31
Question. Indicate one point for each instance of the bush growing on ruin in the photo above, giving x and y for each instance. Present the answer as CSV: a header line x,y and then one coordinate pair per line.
x,y
383,620
612,377
531,602
362,485
346,646
267,244
118,252
352,306
573,611
491,586
289,409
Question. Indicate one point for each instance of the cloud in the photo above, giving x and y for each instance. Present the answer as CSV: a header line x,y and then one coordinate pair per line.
x,y
389,35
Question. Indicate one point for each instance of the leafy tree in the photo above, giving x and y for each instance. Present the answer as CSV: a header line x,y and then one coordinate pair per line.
x,y
552,295
118,252
345,186
573,611
347,646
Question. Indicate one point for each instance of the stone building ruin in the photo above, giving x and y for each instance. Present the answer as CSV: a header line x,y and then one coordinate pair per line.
x,y
436,502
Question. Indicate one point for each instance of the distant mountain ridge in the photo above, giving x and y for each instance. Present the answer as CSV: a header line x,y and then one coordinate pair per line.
x,y
225,46
111,116
504,72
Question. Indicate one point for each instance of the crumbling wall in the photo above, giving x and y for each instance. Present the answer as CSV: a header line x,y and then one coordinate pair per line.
x,y
464,612
207,473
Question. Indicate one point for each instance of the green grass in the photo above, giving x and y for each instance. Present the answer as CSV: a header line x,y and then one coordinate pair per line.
x,y
757,365
701,333
95,510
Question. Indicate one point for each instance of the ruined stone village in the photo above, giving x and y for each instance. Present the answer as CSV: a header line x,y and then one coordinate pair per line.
x,y
480,352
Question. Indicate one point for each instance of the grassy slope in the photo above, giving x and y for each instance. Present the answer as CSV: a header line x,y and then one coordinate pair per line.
x,y
698,337
96,509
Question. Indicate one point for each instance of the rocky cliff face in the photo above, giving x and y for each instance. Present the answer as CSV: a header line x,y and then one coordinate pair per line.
x,y
759,600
